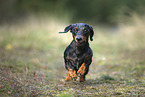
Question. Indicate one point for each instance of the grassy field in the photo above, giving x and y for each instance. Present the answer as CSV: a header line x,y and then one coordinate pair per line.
x,y
31,60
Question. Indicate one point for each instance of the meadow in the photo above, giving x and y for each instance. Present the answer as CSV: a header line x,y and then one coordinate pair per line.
x,y
31,59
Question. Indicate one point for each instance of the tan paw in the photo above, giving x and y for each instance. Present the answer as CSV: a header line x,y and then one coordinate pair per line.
x,y
81,70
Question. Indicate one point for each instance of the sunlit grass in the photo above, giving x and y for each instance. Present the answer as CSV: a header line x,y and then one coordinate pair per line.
x,y
31,59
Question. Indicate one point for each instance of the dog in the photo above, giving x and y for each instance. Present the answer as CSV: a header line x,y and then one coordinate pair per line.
x,y
78,55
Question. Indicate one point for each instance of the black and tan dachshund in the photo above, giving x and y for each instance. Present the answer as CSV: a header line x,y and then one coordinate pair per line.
x,y
78,55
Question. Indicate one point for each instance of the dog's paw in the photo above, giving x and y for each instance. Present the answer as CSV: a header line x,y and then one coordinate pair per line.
x,y
72,74
81,70
74,78
82,79
68,78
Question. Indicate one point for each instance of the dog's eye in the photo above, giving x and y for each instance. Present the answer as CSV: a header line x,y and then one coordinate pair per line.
x,y
85,30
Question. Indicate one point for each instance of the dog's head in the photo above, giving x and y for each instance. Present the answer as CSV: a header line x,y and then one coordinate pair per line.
x,y
80,32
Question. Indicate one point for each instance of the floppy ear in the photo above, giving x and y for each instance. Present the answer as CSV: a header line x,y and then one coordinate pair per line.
x,y
91,33
67,29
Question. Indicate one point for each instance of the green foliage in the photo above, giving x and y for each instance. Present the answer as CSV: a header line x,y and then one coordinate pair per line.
x,y
94,11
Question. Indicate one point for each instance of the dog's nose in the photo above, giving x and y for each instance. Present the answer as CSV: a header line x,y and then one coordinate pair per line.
x,y
79,38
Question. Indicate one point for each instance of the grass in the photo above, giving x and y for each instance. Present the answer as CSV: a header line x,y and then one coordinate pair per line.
x,y
31,60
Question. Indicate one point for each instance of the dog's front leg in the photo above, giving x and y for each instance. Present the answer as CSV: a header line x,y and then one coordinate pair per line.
x,y
71,75
81,72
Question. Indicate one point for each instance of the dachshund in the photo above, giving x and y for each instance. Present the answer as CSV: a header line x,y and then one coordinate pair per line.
x,y
78,55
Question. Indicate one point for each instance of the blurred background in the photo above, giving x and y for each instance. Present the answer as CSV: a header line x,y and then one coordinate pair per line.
x,y
95,11
31,49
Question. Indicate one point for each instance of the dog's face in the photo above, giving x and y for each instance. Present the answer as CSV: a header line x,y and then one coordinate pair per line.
x,y
80,32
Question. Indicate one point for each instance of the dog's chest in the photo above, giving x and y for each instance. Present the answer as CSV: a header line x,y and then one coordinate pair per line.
x,y
77,60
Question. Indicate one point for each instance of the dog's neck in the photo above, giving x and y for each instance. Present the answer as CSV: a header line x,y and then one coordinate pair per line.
x,y
79,50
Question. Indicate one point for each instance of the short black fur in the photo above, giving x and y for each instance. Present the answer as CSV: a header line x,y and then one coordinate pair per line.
x,y
79,52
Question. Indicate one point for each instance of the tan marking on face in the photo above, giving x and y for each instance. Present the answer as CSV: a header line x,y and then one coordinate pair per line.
x,y
84,38
75,38
84,28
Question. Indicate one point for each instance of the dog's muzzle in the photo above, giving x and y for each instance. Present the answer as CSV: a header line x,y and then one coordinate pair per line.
x,y
79,38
